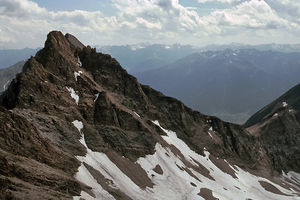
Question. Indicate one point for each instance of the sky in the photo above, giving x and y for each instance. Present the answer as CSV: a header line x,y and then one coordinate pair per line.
x,y
25,23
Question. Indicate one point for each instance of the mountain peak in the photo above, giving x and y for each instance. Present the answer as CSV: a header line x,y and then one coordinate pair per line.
x,y
55,39
117,138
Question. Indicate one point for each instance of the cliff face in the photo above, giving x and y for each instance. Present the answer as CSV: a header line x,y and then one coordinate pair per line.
x,y
84,116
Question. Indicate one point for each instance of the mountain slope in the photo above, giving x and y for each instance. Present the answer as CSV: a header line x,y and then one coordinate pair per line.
x,y
123,140
7,74
278,125
291,99
230,84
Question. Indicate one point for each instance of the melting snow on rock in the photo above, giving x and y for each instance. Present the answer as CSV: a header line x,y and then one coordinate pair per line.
x,y
178,180
73,94
96,97
79,62
6,84
78,125
76,74
284,104
136,114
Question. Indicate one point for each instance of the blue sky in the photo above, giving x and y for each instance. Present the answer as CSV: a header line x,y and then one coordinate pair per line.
x,y
25,23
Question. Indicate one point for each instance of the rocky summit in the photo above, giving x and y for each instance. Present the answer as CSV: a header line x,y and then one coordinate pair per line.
x,y
75,125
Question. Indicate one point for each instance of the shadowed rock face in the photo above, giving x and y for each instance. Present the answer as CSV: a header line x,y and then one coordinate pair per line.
x,y
278,127
67,81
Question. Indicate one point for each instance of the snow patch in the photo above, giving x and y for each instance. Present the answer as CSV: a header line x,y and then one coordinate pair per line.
x,y
5,86
78,125
79,62
137,47
73,94
136,114
76,74
96,97
284,104
210,130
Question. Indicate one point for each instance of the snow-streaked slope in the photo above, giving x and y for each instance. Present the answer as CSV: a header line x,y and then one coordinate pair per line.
x,y
84,176
180,175
293,178
245,186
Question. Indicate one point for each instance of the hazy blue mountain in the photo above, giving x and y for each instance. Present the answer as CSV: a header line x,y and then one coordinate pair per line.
x,y
10,57
231,84
142,57
7,74
285,48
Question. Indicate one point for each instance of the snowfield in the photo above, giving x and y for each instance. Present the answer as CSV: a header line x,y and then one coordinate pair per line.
x,y
181,176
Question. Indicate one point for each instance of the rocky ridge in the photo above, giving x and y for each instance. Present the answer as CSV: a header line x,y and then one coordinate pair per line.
x,y
80,105
278,127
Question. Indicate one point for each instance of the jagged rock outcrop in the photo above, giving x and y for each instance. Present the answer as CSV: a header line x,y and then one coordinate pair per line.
x,y
84,108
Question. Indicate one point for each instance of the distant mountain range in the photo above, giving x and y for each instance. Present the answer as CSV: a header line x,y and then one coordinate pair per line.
x,y
142,57
231,84
12,56
284,48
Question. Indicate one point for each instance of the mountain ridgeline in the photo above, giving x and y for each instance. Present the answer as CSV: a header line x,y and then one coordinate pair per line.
x,y
75,124
278,126
230,84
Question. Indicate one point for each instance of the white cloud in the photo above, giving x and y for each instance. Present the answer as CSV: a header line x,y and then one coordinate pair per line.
x,y
249,14
288,9
220,1
25,24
